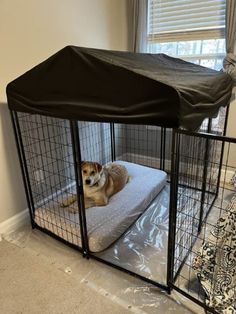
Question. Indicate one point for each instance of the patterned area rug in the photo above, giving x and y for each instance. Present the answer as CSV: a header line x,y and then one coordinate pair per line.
x,y
215,264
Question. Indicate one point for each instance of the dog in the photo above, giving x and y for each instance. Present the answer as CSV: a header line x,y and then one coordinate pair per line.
x,y
99,183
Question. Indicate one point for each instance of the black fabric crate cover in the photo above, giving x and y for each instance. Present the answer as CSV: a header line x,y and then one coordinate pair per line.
x,y
111,86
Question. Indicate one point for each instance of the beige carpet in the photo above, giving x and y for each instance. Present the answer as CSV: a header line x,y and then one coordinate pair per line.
x,y
29,284
41,275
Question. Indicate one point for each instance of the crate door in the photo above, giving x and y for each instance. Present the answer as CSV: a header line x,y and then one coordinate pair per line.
x,y
203,207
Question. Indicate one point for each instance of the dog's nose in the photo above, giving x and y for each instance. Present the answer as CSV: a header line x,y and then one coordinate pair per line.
x,y
87,181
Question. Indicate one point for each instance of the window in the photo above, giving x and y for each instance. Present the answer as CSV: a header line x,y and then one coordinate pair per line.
x,y
189,29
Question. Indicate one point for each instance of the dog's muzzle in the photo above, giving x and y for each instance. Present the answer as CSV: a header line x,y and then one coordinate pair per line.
x,y
87,181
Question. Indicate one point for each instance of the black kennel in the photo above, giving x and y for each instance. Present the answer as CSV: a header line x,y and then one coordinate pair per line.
x,y
88,104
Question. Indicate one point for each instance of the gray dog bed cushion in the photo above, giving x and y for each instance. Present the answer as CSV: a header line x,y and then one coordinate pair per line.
x,y
105,224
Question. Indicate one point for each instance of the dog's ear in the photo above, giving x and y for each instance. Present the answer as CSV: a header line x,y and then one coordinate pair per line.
x,y
98,167
82,163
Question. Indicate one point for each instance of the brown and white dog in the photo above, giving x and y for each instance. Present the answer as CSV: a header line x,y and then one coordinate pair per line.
x,y
99,183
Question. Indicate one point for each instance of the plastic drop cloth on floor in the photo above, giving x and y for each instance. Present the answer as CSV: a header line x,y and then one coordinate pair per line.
x,y
143,248
121,288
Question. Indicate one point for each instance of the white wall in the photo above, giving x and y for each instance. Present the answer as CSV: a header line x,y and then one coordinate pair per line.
x,y
31,31
231,131
231,128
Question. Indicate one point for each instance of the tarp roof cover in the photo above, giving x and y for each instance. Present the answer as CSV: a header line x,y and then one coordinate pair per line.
x,y
111,86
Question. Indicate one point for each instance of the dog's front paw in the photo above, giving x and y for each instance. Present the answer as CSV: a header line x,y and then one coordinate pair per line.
x,y
65,203
68,201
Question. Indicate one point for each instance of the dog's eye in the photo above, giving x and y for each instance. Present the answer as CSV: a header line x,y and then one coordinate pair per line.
x,y
84,171
92,173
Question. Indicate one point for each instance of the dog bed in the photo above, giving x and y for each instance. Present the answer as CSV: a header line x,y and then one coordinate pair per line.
x,y
105,224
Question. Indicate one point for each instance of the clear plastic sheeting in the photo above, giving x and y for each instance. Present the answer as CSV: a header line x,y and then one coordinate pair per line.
x,y
143,248
138,296
120,288
132,295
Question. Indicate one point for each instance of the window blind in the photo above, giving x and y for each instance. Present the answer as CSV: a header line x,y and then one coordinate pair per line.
x,y
174,20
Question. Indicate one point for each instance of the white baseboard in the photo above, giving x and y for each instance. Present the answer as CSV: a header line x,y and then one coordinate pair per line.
x,y
225,178
145,160
13,223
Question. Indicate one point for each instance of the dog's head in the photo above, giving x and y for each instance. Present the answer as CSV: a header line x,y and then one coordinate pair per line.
x,y
91,172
